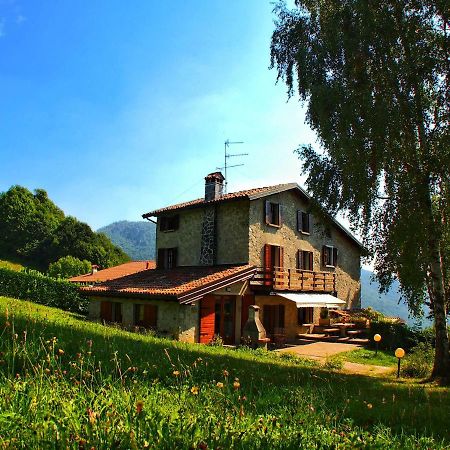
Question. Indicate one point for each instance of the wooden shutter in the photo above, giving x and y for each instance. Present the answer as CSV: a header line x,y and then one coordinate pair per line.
x,y
299,260
207,319
268,268
281,257
280,215
311,261
161,257
268,212
150,313
324,255
247,300
335,255
299,220
106,311
305,222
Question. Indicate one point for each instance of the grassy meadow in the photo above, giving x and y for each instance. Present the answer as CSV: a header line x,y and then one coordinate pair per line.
x,y
69,383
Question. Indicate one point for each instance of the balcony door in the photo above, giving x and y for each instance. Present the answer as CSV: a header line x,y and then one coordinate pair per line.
x,y
273,259
224,320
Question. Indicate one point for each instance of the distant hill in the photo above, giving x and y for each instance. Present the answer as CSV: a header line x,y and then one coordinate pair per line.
x,y
136,239
386,303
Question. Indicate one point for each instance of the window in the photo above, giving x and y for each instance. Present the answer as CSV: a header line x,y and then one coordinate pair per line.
x,y
273,214
304,260
145,315
273,318
304,316
111,312
167,258
329,256
303,222
169,223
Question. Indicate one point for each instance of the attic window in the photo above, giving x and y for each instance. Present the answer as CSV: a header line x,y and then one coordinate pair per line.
x,y
329,256
273,214
169,223
303,222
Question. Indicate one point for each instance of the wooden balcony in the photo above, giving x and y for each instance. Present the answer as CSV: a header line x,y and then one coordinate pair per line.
x,y
284,279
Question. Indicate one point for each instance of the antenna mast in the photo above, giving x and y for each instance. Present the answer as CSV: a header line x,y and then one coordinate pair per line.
x,y
228,155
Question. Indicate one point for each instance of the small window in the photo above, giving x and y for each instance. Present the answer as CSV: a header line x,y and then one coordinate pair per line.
x,y
169,223
117,312
303,222
167,258
304,260
145,315
329,256
304,316
273,214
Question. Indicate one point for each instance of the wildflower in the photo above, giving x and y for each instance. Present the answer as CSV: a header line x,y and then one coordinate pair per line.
x,y
15,336
7,324
47,371
78,355
139,406
369,405
89,343
194,390
219,385
236,385
92,416
176,373
225,373
60,351
199,359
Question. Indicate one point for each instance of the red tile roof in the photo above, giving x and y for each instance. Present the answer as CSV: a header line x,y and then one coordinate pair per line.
x,y
183,283
114,272
249,193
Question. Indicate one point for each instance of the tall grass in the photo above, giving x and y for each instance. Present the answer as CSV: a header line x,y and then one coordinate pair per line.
x,y
68,383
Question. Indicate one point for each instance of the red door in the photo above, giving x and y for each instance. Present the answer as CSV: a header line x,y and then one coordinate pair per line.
x,y
224,320
207,318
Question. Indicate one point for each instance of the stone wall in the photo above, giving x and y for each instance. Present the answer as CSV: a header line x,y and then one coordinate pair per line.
x,y
287,236
180,321
231,240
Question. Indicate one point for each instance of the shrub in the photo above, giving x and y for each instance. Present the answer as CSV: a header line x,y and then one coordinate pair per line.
x,y
395,334
419,363
68,266
37,288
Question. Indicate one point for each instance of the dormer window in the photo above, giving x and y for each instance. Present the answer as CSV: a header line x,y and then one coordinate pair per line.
x,y
273,214
169,223
303,222
329,256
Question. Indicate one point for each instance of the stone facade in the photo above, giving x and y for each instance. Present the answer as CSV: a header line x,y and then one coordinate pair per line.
x,y
179,321
231,240
287,236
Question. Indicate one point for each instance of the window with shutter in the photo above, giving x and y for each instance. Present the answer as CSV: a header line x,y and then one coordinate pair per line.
x,y
167,258
304,260
169,223
303,222
329,256
273,214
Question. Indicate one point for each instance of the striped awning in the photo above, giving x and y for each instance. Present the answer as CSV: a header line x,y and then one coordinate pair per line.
x,y
305,300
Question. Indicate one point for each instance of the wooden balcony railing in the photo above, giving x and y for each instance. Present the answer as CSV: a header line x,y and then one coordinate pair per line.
x,y
294,280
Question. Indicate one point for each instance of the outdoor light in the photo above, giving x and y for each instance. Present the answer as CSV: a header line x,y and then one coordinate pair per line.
x,y
399,354
377,339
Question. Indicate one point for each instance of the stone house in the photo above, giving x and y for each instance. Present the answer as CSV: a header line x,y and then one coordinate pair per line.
x,y
219,254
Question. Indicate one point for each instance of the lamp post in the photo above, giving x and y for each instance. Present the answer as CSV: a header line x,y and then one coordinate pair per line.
x,y
399,354
377,339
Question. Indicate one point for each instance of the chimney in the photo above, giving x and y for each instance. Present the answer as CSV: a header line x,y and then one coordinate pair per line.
x,y
253,328
214,186
94,268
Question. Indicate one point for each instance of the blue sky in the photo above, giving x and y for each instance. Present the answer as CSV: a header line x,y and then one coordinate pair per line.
x,y
117,108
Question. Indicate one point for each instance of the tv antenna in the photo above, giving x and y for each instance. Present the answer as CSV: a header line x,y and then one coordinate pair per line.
x,y
227,156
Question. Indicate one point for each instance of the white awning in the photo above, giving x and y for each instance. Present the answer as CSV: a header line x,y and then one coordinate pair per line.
x,y
311,300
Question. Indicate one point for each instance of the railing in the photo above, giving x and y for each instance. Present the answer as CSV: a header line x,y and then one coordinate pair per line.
x,y
294,280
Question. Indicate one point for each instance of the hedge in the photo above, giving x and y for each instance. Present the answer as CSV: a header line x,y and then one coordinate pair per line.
x,y
37,288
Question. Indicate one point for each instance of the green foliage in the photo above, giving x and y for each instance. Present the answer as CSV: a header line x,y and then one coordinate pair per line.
x,y
35,231
32,285
374,76
68,266
85,385
369,356
419,362
396,334
136,239
11,265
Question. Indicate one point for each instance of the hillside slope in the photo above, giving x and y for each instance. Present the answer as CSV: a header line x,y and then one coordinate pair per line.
x,y
83,385
136,239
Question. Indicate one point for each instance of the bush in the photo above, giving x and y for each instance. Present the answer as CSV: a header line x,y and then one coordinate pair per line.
x,y
396,334
37,288
68,266
419,363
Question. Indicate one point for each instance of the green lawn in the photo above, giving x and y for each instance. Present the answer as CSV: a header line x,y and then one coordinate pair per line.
x,y
68,383
368,356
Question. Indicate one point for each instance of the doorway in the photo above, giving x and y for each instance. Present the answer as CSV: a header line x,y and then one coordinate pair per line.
x,y
224,318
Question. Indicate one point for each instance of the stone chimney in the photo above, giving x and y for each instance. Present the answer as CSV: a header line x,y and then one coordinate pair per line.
x,y
214,186
94,268
253,328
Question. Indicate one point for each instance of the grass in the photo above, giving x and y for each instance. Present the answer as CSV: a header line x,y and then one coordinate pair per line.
x,y
10,265
68,383
368,356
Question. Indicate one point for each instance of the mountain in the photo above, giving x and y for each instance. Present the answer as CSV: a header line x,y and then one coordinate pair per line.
x,y
387,303
136,239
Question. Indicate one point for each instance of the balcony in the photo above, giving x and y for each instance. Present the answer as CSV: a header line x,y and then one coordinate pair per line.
x,y
282,279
